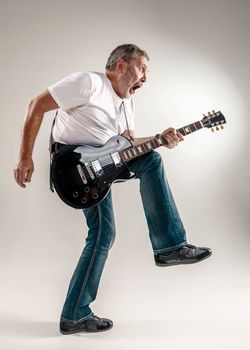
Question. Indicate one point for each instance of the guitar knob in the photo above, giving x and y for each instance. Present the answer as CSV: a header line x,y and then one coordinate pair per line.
x,y
95,195
86,189
84,200
75,194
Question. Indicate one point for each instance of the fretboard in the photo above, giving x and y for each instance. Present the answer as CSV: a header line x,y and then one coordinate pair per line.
x,y
157,141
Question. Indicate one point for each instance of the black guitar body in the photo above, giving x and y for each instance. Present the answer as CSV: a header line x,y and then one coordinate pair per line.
x,y
82,175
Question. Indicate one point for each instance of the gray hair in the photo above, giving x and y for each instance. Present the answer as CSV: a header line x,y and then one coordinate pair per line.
x,y
127,52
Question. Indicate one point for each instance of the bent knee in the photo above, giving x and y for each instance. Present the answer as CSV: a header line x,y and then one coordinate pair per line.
x,y
154,158
112,238
108,239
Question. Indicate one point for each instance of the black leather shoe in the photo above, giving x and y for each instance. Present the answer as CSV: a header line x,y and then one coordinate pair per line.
x,y
91,324
188,254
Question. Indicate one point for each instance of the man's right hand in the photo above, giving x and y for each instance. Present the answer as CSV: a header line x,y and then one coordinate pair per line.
x,y
23,171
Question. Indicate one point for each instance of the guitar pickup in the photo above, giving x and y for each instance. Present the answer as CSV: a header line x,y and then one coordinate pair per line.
x,y
81,173
98,170
116,158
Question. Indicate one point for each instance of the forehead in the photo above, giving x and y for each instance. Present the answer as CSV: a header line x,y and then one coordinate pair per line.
x,y
140,61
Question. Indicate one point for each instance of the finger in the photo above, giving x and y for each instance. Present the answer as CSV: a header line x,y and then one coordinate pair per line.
x,y
18,178
22,177
21,181
172,138
29,175
175,137
180,136
169,130
23,173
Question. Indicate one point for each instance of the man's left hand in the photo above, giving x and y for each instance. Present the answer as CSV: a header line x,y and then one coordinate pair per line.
x,y
173,137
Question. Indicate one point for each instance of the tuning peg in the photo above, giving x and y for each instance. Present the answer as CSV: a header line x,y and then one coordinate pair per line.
x,y
209,113
213,111
222,127
217,128
212,129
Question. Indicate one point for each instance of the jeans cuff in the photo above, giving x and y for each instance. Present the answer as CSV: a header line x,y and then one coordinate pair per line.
x,y
164,250
63,319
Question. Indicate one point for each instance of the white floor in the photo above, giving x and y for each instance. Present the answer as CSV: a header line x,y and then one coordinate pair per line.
x,y
202,306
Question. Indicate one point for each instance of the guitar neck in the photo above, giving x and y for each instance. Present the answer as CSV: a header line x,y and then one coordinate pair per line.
x,y
157,141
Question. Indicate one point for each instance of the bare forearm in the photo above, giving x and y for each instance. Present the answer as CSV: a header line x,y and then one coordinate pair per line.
x,y
139,140
31,127
170,138
35,112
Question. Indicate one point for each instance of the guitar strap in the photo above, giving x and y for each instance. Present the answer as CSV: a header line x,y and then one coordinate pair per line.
x,y
52,149
128,173
125,113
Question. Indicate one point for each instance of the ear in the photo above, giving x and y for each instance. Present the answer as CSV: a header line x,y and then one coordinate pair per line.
x,y
121,66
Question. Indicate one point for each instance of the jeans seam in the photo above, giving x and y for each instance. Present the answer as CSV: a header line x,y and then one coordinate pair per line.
x,y
90,266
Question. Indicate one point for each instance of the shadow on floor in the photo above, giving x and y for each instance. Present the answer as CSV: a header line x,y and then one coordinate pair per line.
x,y
28,328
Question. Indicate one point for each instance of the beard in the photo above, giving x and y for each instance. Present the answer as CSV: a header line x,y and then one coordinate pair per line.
x,y
129,83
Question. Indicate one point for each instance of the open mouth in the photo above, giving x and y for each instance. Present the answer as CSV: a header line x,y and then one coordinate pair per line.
x,y
134,88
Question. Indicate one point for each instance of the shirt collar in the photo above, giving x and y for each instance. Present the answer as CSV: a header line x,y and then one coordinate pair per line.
x,y
117,99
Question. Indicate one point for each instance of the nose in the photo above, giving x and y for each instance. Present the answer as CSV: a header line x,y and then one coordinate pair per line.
x,y
144,77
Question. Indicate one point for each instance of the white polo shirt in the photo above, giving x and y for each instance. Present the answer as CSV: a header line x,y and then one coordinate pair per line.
x,y
90,110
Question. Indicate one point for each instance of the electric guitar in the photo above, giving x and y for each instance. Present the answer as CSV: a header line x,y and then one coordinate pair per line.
x,y
82,175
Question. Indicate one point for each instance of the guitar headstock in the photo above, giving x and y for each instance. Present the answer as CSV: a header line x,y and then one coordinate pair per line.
x,y
213,120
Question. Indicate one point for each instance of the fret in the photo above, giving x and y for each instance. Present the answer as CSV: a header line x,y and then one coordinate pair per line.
x,y
124,152
182,131
152,144
144,147
192,127
139,147
187,129
149,146
121,154
198,125
136,152
133,151
158,141
129,153
154,141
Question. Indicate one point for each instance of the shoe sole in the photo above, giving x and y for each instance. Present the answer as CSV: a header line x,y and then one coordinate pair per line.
x,y
85,331
182,262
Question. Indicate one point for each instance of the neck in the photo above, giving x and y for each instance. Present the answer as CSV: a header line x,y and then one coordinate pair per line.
x,y
157,141
112,76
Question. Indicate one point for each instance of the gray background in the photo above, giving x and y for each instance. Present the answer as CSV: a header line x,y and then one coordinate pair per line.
x,y
199,53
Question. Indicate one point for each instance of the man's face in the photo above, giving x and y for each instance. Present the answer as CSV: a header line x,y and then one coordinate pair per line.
x,y
134,75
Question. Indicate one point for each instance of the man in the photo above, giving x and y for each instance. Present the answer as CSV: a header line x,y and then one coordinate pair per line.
x,y
92,107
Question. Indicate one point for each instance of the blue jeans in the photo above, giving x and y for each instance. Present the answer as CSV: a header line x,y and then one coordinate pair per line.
x,y
166,232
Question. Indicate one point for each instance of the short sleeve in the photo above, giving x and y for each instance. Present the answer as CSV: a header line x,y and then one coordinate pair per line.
x,y
72,91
